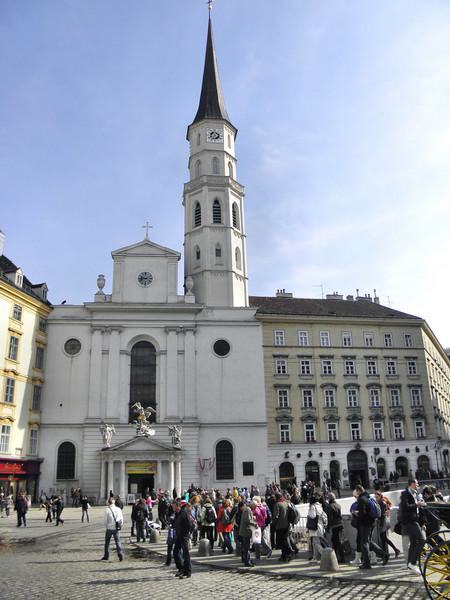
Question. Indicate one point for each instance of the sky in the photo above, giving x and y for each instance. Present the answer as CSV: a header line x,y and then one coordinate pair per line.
x,y
343,112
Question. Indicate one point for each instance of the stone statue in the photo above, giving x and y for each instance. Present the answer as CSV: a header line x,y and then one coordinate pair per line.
x,y
143,427
107,432
175,431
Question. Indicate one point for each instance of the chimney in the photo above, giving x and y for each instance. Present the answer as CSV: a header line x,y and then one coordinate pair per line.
x,y
349,298
283,294
375,297
2,242
334,296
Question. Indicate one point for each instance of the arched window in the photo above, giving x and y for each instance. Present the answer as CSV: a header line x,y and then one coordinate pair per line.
x,y
218,252
197,214
197,253
65,467
286,474
198,139
230,169
381,468
237,256
423,467
229,140
235,211
143,378
335,472
224,461
217,212
198,168
215,165
402,466
312,472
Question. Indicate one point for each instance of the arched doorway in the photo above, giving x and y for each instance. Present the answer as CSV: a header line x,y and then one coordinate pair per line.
x,y
335,472
357,468
312,472
224,461
286,474
381,468
423,467
402,466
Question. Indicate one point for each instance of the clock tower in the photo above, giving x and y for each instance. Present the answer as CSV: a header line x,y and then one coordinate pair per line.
x,y
215,253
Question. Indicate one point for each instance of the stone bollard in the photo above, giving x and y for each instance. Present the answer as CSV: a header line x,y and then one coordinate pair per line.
x,y
204,549
328,560
154,537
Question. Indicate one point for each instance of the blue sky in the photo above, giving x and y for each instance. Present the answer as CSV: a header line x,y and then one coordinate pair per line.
x,y
343,111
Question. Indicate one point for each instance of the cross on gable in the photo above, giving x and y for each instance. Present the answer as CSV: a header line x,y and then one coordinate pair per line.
x,y
147,226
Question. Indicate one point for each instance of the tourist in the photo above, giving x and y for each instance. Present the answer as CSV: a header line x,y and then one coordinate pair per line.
x,y
140,516
316,523
366,522
409,520
384,522
59,506
113,524
246,527
335,526
21,508
49,510
170,538
183,526
281,525
85,506
208,518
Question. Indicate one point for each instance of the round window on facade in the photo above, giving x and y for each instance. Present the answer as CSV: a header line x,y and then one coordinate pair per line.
x,y
72,347
221,348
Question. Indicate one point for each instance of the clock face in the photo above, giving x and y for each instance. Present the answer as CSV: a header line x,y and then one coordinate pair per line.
x,y
214,136
145,278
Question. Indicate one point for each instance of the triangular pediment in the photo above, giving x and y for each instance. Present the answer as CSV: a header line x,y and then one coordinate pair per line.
x,y
142,444
146,248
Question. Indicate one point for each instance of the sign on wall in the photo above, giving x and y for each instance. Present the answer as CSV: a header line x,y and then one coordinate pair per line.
x,y
141,467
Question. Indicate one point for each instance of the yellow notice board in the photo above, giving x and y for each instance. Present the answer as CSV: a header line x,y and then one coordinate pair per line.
x,y
141,467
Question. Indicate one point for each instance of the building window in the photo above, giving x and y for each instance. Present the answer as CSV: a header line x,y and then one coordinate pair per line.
x,y
330,398
198,169
378,430
235,215
65,468
398,430
285,432
34,433
237,258
217,212
4,438
349,367
416,397
142,378
230,170
303,338
411,365
218,251
310,432
419,427
332,432
394,397
17,312
278,336
9,390
248,468
352,397
307,398
327,367
388,340
42,324
198,139
355,431
346,339
229,140
13,350
197,214
224,460
215,165
281,366
369,340
283,398
37,391
391,367
197,253
39,360
372,367
408,340
324,338
305,366
374,398
19,279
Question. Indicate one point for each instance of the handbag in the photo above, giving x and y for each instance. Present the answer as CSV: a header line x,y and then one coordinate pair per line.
x,y
256,535
312,523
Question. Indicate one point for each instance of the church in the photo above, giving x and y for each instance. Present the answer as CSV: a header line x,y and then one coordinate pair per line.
x,y
192,360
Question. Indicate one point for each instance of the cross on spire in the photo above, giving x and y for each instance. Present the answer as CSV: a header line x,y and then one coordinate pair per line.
x,y
147,226
210,5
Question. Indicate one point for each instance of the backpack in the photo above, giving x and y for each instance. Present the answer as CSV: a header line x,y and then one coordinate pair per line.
x,y
210,517
268,520
225,517
374,509
292,515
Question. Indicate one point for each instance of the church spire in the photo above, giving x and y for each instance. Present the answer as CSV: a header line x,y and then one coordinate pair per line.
x,y
211,105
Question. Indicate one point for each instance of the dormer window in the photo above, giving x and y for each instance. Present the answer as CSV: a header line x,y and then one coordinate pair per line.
x,y
19,278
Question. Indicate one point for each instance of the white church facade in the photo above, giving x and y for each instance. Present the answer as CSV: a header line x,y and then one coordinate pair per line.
x,y
195,358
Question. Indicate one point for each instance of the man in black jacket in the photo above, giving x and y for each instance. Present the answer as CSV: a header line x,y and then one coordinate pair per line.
x,y
366,524
21,507
409,519
183,526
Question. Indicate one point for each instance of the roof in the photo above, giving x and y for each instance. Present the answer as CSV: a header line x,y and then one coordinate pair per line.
x,y
7,266
212,104
269,305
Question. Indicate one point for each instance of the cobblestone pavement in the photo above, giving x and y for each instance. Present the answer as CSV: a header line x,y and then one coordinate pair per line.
x,y
64,563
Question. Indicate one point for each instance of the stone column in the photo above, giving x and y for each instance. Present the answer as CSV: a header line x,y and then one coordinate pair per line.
x,y
102,479
158,475
123,482
178,477
110,467
171,481
112,396
172,373
190,401
94,409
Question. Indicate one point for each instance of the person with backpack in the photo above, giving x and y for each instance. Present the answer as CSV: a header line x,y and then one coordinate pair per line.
x,y
183,525
280,522
247,526
208,518
140,516
367,514
316,523
335,526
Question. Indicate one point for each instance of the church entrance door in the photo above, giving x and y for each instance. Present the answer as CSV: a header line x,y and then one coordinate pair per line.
x,y
140,484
